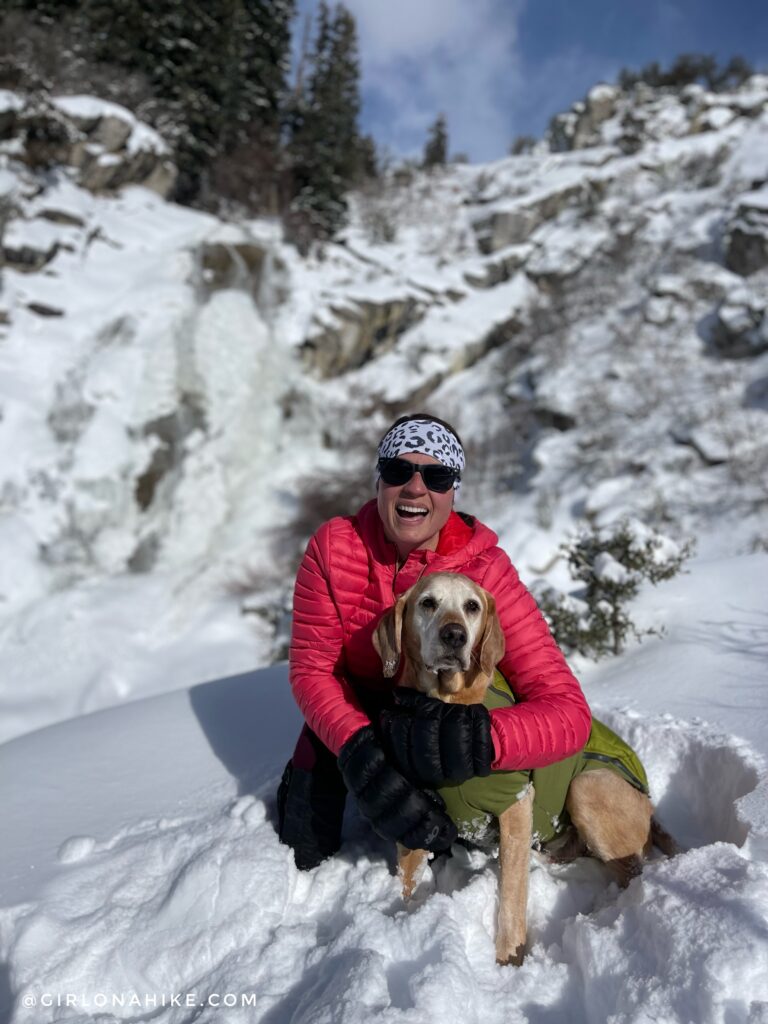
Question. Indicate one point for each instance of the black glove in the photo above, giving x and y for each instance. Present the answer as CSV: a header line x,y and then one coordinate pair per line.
x,y
432,742
396,809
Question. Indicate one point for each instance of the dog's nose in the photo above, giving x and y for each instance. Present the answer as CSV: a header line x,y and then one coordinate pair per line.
x,y
453,635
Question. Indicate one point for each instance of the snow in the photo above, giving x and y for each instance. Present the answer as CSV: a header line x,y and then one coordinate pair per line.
x,y
607,568
758,198
443,336
142,861
39,235
747,156
143,139
90,108
718,117
563,249
10,100
602,92
161,444
7,184
64,197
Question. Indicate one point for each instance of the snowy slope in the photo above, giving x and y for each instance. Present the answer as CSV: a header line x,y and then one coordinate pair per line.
x,y
182,400
142,863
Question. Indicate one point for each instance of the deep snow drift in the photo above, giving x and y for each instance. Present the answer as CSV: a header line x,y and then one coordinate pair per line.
x,y
142,846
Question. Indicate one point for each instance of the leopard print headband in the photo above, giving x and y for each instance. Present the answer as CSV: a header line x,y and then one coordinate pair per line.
x,y
427,438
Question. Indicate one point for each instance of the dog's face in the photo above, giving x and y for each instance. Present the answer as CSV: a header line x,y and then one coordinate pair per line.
x,y
446,633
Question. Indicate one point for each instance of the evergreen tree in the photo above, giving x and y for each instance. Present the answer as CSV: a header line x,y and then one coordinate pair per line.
x,y
652,74
690,67
325,150
436,149
182,48
217,69
686,69
255,70
736,71
627,79
255,66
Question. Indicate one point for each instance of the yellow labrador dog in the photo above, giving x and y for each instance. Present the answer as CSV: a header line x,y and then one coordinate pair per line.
x,y
445,636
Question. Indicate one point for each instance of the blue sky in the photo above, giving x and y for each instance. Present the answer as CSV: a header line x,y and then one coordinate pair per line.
x,y
501,68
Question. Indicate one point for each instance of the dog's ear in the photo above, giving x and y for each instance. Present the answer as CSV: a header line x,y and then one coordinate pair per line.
x,y
387,637
492,642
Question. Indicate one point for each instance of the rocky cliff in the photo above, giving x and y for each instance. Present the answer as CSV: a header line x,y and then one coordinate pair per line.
x,y
182,400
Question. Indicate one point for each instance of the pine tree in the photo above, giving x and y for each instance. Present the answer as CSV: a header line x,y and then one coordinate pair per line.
x,y
325,150
736,71
181,47
651,74
217,67
436,149
688,68
255,70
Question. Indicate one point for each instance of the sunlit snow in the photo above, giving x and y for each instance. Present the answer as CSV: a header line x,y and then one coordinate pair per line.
x,y
172,389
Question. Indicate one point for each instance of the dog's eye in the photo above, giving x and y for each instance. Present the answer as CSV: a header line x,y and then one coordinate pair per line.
x,y
429,603
472,606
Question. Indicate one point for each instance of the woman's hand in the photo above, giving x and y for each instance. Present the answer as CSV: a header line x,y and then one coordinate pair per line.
x,y
432,742
396,809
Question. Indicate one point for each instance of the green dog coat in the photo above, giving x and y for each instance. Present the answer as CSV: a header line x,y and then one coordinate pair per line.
x,y
475,804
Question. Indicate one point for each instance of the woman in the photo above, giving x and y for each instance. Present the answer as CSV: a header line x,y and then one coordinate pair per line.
x,y
354,569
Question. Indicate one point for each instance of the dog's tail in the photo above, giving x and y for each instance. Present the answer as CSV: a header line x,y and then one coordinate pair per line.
x,y
663,841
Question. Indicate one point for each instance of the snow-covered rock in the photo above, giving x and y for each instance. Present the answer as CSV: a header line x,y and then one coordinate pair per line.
x,y
514,222
741,326
360,330
747,234
191,397
164,454
633,118
103,142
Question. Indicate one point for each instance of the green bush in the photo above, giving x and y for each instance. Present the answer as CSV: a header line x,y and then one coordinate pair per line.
x,y
611,564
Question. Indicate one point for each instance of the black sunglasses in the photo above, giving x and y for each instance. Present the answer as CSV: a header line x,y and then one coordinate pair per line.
x,y
396,472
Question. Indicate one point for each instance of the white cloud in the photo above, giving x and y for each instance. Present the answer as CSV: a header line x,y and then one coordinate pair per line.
x,y
421,57
415,27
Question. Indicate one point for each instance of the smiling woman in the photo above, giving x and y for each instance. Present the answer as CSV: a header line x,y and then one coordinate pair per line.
x,y
355,568
412,515
416,490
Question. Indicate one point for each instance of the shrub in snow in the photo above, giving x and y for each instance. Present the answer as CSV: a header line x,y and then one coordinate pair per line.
x,y
611,563
378,209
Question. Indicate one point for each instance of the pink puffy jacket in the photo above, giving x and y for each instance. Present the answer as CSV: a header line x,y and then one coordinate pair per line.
x,y
349,578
